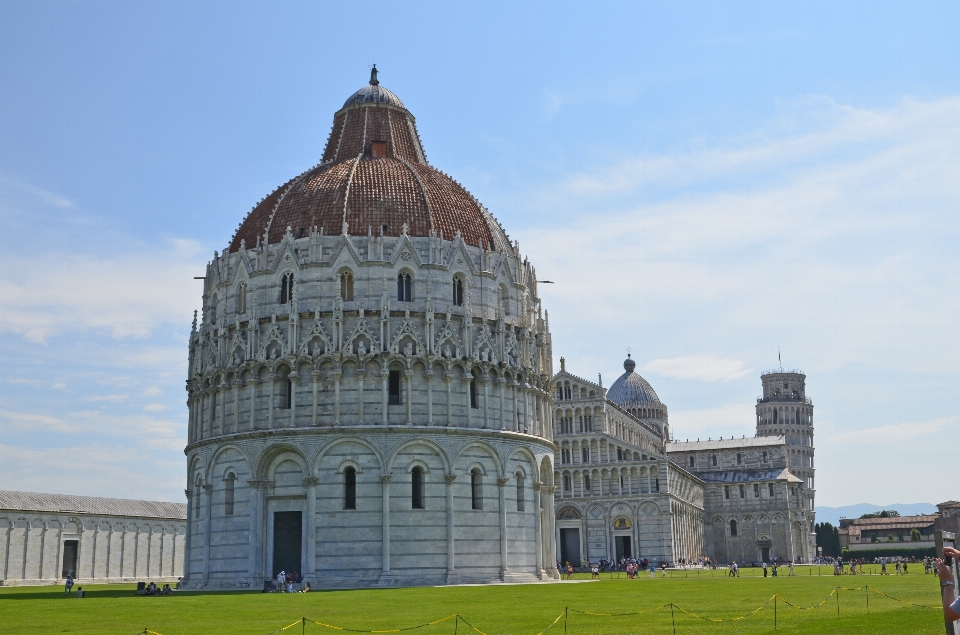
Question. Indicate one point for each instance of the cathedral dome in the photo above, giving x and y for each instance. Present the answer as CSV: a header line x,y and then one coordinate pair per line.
x,y
374,177
631,390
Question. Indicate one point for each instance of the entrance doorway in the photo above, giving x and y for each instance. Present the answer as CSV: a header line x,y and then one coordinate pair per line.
x,y
623,547
765,554
287,541
70,550
570,546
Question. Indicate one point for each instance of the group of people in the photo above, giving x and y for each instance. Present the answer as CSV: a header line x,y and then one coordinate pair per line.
x,y
68,587
151,589
287,581
775,566
632,567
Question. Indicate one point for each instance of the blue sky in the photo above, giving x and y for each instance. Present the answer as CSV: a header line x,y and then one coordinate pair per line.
x,y
705,182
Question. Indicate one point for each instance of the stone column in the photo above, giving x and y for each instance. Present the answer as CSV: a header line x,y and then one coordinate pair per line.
x,y
207,527
384,378
336,399
485,382
428,377
515,415
550,532
448,380
361,374
504,569
408,380
221,396
385,483
500,384
451,572
237,385
294,385
255,535
272,378
538,528
253,382
186,539
315,380
310,484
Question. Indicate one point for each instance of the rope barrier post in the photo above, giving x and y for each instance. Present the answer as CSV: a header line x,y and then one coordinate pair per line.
x,y
838,601
672,619
456,624
303,625
866,589
566,613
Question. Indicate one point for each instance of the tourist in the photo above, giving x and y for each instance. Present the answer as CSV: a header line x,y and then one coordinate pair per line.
x,y
951,601
790,568
81,593
764,565
663,569
653,570
68,585
306,588
775,568
736,569
165,590
595,572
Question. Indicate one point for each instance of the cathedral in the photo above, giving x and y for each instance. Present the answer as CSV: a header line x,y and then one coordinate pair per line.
x,y
625,488
372,402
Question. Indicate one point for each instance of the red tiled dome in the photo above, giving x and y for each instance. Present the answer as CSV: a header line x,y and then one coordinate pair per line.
x,y
374,174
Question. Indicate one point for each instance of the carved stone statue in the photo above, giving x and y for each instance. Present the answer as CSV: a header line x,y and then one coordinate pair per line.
x,y
484,357
361,348
446,352
408,349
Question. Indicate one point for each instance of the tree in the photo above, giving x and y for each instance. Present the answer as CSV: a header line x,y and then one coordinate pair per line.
x,y
828,539
889,537
887,513
873,537
915,535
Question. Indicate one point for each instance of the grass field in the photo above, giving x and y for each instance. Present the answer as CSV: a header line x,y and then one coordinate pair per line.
x,y
502,609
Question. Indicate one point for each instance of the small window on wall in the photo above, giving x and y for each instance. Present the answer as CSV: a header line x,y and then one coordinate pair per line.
x,y
349,488
476,488
458,291
585,455
346,286
393,388
764,457
733,528
726,492
586,483
742,492
588,423
656,484
286,288
756,490
713,460
404,288
565,456
416,488
692,461
197,491
739,459
228,484
520,493
473,391
770,490
242,298
567,483
286,393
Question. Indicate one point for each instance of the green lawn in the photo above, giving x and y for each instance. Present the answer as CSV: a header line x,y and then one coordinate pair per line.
x,y
499,610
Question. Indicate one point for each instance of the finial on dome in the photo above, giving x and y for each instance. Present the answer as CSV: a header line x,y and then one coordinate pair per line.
x,y
563,364
373,76
629,364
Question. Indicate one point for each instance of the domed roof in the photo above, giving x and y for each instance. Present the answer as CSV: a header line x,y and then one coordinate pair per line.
x,y
631,390
374,176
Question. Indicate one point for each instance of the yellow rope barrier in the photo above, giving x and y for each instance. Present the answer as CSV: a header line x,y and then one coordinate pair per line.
x,y
621,614
730,619
552,624
807,608
926,606
391,630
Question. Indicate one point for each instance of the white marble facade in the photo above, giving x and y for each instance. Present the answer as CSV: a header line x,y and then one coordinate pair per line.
x,y
46,537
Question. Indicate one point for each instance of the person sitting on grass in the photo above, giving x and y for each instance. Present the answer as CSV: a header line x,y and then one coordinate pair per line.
x,y
165,590
81,593
306,588
951,601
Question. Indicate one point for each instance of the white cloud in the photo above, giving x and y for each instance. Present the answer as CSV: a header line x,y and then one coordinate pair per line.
x,y
106,398
155,407
895,432
141,430
734,418
152,391
128,295
702,368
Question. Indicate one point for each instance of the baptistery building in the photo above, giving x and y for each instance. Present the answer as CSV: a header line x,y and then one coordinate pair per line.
x,y
369,384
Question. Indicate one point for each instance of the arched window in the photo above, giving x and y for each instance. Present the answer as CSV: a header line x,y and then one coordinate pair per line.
x,y
733,528
213,310
242,298
228,484
404,288
458,291
567,485
349,488
286,393
197,491
286,288
416,488
346,286
473,390
505,299
476,488
520,494
586,483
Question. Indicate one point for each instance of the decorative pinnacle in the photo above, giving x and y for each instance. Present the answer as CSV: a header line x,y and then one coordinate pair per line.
x,y
373,76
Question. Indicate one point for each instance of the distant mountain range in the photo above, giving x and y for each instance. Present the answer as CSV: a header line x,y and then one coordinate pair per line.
x,y
833,515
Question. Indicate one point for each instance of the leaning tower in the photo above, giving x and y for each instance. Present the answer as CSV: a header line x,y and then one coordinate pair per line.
x,y
784,409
